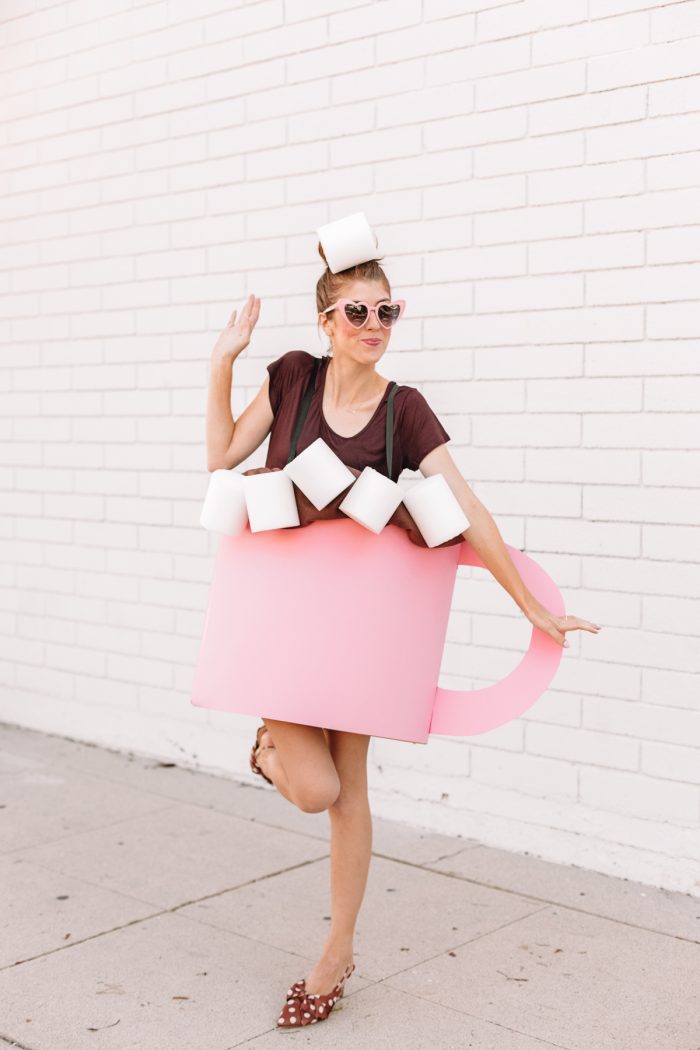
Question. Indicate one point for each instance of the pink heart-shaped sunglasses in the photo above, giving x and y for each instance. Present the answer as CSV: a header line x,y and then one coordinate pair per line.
x,y
358,313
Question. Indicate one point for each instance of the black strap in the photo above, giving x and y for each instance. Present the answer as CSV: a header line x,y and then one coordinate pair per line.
x,y
304,408
390,428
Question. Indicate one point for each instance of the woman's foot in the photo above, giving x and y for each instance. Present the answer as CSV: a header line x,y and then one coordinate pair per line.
x,y
302,1007
265,740
262,746
326,973
264,749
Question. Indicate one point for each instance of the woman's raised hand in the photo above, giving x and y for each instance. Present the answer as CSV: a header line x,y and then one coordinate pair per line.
x,y
236,335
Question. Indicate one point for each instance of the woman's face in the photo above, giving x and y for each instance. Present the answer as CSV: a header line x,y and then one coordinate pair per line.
x,y
351,341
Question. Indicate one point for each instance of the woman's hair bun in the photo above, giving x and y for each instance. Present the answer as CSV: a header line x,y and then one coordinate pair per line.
x,y
321,253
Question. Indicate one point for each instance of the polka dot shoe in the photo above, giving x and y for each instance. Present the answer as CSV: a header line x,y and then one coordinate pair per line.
x,y
302,1008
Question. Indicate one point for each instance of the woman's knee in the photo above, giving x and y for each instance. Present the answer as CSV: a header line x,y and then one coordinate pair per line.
x,y
315,797
323,767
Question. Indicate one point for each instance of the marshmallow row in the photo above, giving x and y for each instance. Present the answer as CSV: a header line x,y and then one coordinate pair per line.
x,y
266,501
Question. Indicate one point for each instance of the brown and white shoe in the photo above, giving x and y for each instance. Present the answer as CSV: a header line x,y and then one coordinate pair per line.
x,y
303,1008
257,746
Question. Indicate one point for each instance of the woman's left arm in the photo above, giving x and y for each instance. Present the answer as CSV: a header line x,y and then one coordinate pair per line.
x,y
484,537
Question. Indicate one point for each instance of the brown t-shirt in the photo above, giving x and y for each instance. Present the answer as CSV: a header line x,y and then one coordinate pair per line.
x,y
417,430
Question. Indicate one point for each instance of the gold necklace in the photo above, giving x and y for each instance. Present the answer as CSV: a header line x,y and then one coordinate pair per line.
x,y
355,410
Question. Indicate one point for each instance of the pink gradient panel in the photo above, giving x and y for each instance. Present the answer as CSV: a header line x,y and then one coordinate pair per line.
x,y
331,625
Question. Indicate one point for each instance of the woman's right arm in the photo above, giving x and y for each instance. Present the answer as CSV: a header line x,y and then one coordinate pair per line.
x,y
230,442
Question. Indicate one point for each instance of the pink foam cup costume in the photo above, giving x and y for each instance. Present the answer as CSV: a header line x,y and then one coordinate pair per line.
x,y
332,625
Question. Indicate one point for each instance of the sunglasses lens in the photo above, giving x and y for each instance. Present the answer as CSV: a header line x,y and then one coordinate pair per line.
x,y
388,313
356,314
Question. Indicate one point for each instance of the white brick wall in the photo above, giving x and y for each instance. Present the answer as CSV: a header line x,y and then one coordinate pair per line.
x,y
533,172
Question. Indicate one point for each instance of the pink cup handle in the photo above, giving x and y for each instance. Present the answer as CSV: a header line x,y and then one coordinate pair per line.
x,y
459,712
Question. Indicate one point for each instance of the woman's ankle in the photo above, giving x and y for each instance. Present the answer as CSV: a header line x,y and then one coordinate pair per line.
x,y
338,952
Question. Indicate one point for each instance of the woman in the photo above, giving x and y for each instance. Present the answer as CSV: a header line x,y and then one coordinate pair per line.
x,y
315,768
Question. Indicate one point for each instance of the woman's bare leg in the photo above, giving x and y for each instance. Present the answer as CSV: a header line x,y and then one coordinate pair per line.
x,y
351,849
319,769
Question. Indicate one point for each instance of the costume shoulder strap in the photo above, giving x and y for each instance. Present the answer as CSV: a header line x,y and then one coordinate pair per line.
x,y
390,428
303,410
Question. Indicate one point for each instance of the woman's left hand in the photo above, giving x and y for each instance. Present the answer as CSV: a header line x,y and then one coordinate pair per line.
x,y
557,626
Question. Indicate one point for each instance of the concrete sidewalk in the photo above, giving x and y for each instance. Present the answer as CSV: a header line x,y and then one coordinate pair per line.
x,y
148,907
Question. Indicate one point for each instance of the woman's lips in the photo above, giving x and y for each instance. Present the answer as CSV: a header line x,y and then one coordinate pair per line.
x,y
372,342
